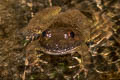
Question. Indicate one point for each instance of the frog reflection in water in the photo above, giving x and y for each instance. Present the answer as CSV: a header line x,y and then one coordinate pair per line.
x,y
59,33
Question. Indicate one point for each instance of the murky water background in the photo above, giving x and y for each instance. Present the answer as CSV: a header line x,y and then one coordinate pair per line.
x,y
15,15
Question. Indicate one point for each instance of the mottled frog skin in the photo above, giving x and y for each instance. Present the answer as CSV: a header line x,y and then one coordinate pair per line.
x,y
59,32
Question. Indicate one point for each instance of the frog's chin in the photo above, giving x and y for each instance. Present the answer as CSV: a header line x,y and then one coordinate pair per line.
x,y
59,52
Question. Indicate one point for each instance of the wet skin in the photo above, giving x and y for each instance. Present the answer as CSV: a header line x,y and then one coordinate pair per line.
x,y
58,33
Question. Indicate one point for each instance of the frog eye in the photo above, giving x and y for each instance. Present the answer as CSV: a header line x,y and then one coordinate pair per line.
x,y
46,33
71,34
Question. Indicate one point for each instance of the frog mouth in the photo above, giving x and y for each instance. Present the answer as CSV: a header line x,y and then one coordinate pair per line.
x,y
60,49
59,52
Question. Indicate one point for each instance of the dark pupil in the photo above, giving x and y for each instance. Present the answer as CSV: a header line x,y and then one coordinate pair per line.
x,y
72,34
44,33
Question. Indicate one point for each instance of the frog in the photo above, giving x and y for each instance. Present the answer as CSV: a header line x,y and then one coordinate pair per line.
x,y
56,32
72,28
